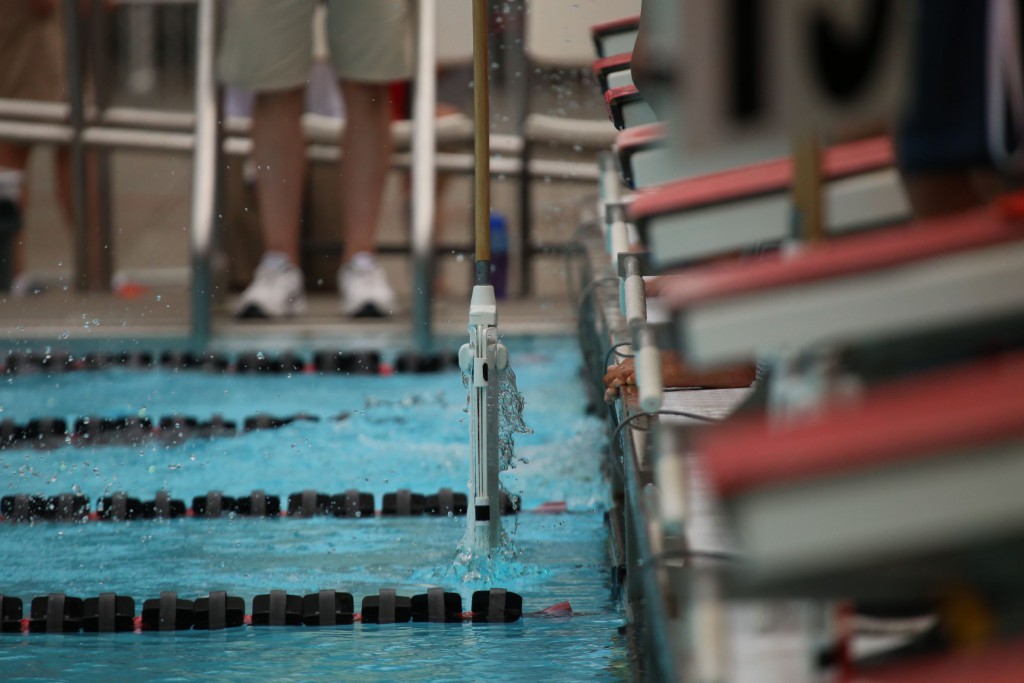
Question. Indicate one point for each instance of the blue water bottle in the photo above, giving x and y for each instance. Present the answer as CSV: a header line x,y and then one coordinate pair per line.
x,y
499,254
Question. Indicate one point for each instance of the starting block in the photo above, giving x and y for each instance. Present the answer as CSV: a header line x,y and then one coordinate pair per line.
x,y
908,492
746,208
928,276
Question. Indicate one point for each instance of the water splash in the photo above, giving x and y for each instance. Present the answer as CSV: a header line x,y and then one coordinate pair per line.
x,y
473,562
511,405
510,418
479,570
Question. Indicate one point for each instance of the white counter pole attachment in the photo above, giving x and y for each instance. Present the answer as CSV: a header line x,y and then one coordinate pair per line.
x,y
608,193
634,291
646,353
483,358
618,231
647,363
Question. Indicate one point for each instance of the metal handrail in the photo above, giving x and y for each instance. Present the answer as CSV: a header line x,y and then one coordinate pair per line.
x,y
424,174
205,156
76,117
84,126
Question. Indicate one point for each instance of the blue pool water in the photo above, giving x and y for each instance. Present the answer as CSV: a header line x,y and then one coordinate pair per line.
x,y
402,432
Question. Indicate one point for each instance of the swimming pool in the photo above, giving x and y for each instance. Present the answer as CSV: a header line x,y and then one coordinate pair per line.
x,y
405,431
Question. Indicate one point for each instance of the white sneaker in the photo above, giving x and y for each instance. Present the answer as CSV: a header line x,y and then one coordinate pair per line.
x,y
365,292
276,291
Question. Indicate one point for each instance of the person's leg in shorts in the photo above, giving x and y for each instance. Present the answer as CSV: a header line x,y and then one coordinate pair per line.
x,y
370,44
32,68
941,142
267,48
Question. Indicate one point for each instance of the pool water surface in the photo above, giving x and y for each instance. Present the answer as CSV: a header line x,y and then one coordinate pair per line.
x,y
403,431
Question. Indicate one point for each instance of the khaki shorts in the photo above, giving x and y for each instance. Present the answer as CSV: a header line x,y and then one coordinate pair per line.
x,y
31,53
268,44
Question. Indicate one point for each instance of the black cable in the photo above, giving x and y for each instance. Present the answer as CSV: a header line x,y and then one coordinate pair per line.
x,y
591,287
615,349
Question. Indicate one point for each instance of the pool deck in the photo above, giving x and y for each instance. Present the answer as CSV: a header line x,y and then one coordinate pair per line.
x,y
70,319
150,250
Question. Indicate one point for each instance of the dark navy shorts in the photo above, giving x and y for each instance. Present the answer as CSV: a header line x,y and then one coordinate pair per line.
x,y
944,126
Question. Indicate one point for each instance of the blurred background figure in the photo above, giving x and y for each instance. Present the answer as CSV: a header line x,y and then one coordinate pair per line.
x,y
267,48
958,137
31,68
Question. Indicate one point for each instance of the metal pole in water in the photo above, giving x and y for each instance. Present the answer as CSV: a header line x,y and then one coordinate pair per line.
x,y
483,357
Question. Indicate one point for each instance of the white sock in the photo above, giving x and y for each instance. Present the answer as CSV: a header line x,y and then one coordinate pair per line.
x,y
275,259
11,180
363,259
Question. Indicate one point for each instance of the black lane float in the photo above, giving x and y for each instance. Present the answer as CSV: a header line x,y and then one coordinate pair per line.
x,y
324,361
351,503
113,613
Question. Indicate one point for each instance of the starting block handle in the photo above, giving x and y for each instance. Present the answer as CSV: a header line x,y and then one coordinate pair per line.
x,y
648,371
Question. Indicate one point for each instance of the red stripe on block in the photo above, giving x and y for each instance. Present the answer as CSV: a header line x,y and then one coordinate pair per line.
x,y
616,98
1000,663
647,135
617,62
968,407
622,25
855,254
768,177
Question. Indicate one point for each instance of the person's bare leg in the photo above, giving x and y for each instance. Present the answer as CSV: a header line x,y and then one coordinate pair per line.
x,y
279,153
366,158
936,193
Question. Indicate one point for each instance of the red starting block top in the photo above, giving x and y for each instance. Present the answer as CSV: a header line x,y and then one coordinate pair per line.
x,y
856,254
641,137
1001,663
768,177
638,139
605,65
966,407
617,98
623,25
608,65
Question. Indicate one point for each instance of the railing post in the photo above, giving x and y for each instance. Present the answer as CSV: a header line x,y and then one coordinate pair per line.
x,y
204,172
99,217
424,174
76,102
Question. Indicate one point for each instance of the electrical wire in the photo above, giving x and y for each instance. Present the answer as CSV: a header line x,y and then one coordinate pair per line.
x,y
591,286
615,350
